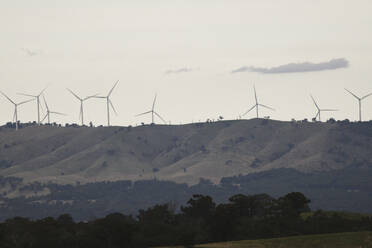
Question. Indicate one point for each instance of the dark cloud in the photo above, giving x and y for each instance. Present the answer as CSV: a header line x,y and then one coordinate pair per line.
x,y
297,67
180,70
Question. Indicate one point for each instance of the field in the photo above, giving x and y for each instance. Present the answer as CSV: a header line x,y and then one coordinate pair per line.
x,y
338,240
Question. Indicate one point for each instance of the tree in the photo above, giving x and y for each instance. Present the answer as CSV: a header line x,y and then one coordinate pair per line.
x,y
157,225
199,206
159,213
251,206
119,229
293,204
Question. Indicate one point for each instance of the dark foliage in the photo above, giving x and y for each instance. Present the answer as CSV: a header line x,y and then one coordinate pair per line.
x,y
201,220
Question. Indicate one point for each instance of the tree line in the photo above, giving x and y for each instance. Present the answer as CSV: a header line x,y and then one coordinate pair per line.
x,y
200,220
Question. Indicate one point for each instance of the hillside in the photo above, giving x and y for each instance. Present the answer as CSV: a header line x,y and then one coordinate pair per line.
x,y
50,170
180,153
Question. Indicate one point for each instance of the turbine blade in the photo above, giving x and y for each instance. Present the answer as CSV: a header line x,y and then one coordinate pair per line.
x,y
316,105
255,95
57,113
14,115
7,97
249,110
74,94
46,105
153,104
43,90
93,96
160,117
266,107
45,117
25,102
370,94
352,94
22,94
112,106
144,113
113,88
317,113
328,110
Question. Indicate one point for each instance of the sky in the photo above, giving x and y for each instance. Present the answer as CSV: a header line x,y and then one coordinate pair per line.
x,y
201,57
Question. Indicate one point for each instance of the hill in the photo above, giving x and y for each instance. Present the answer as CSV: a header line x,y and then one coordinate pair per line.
x,y
105,169
183,153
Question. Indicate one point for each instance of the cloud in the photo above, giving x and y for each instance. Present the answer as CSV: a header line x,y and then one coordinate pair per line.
x,y
181,70
297,67
31,53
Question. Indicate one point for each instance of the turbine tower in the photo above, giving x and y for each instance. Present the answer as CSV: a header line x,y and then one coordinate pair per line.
x,y
153,112
15,116
319,109
109,103
257,105
82,100
38,104
359,101
48,112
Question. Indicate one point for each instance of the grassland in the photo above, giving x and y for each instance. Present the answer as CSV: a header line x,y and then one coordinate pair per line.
x,y
338,240
182,153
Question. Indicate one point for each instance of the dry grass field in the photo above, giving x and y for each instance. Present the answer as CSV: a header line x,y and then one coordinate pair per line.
x,y
338,240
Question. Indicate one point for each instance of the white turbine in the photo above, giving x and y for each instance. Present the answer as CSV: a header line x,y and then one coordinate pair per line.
x,y
38,104
109,103
15,115
319,109
82,100
359,101
152,111
257,105
48,112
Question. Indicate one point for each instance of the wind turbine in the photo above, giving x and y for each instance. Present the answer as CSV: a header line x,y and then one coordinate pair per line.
x,y
38,104
48,112
257,105
15,116
109,103
152,111
319,109
360,102
82,100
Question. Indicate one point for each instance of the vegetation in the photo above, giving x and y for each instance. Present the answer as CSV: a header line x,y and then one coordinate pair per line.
x,y
338,240
201,220
342,190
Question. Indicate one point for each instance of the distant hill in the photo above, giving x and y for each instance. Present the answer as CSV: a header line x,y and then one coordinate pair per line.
x,y
69,168
181,153
348,189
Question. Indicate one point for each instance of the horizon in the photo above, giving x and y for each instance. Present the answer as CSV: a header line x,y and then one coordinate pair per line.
x,y
210,121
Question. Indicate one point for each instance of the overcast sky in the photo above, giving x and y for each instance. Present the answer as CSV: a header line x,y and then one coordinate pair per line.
x,y
201,57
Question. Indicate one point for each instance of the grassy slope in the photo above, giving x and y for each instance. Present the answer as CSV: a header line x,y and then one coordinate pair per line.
x,y
181,153
338,240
